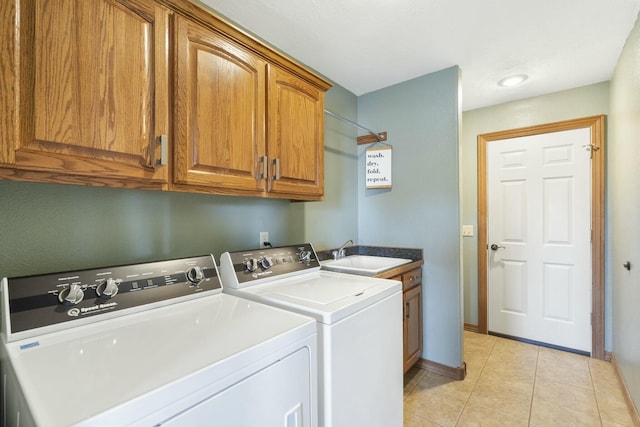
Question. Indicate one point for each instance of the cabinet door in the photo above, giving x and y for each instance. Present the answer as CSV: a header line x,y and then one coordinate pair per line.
x,y
93,98
295,142
220,108
412,326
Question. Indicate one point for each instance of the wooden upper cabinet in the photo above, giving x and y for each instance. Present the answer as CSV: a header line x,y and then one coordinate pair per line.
x,y
295,142
93,98
243,125
88,89
220,112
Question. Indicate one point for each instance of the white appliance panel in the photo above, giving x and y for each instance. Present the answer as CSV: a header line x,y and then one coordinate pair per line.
x,y
324,295
361,364
359,330
276,396
141,363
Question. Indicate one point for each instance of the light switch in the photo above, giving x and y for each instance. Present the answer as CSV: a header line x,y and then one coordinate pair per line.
x,y
467,230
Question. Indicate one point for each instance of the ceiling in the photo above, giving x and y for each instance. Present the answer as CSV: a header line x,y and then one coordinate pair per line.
x,y
365,45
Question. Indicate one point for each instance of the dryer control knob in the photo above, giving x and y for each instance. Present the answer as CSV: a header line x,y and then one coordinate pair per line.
x,y
251,264
71,295
195,275
305,256
108,288
266,263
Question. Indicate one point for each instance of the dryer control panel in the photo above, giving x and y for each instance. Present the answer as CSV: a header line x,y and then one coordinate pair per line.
x,y
252,266
65,299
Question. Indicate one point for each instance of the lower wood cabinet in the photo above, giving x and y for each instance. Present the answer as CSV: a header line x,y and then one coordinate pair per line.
x,y
412,313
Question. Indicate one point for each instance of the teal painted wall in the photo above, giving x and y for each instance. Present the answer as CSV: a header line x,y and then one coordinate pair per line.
x,y
569,104
50,227
422,209
624,208
330,223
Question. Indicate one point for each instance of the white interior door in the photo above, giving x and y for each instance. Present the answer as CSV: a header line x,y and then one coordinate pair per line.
x,y
539,219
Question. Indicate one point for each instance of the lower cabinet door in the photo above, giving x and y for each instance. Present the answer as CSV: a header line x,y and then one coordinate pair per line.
x,y
412,326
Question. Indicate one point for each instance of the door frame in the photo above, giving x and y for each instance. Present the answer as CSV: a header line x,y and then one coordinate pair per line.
x,y
596,124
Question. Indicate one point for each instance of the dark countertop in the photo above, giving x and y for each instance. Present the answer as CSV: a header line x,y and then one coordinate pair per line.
x,y
413,254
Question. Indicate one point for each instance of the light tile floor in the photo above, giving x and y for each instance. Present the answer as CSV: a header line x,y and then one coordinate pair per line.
x,y
510,383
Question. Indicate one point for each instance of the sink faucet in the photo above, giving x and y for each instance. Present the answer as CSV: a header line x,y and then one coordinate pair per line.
x,y
340,252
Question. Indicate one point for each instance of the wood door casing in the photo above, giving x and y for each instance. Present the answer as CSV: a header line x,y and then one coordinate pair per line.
x,y
295,135
93,78
220,110
596,125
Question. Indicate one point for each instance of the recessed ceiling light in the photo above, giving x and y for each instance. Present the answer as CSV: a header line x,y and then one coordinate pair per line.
x,y
513,80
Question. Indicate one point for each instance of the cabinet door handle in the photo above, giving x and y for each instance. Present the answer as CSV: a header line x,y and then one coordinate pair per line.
x,y
265,167
163,140
406,310
276,164
154,162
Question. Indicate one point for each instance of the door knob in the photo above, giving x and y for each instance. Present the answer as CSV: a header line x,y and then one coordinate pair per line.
x,y
495,247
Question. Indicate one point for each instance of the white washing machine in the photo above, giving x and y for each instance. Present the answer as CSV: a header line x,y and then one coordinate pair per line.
x,y
149,345
359,329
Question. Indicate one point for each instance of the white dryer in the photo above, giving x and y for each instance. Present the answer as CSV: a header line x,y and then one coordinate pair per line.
x,y
359,328
153,344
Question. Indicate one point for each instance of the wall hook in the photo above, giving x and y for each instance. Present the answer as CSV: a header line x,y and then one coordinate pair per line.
x,y
627,265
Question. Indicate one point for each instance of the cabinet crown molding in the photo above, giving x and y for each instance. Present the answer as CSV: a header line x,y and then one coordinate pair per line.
x,y
215,22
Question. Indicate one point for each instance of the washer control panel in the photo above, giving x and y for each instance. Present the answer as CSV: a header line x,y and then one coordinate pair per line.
x,y
38,301
252,265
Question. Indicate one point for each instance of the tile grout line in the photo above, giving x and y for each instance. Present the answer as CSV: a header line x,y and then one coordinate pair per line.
x,y
533,389
595,395
476,382
576,386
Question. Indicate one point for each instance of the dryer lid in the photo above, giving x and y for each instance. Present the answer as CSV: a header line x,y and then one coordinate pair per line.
x,y
325,295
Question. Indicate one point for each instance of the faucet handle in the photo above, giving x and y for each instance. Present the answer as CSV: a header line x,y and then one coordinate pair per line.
x,y
338,254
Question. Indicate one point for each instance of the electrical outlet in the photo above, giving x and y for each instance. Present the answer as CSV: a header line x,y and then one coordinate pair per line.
x,y
264,237
467,230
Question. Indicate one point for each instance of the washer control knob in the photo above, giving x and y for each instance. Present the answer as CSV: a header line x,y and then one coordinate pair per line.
x,y
71,295
305,256
108,288
195,275
251,264
266,263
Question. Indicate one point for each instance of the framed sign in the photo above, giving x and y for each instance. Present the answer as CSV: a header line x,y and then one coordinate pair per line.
x,y
378,167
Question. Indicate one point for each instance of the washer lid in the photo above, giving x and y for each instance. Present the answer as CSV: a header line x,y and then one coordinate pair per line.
x,y
325,295
126,368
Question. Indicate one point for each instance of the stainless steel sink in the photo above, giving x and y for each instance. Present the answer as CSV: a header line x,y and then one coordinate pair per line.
x,y
364,265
